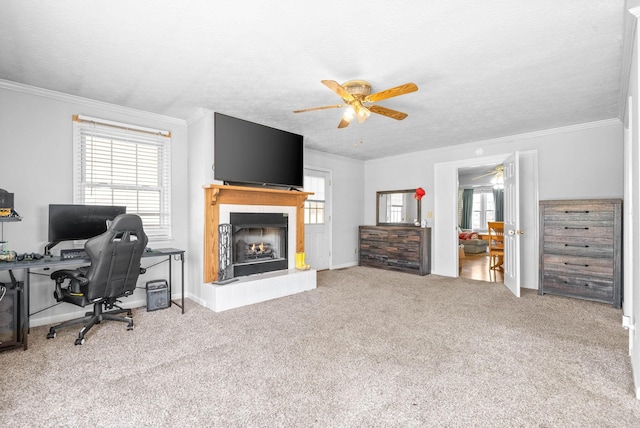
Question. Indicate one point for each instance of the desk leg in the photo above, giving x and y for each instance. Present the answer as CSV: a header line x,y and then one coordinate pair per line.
x,y
24,333
182,273
181,305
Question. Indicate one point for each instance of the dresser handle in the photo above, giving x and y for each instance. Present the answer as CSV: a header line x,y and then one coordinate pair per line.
x,y
576,212
576,228
575,264
578,246
567,282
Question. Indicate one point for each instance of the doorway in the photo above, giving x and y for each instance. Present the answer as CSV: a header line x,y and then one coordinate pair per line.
x,y
445,239
317,218
480,200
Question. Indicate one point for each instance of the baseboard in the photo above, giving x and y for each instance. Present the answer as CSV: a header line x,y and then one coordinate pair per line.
x,y
344,265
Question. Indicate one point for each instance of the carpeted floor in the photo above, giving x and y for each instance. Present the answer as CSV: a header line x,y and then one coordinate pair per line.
x,y
366,348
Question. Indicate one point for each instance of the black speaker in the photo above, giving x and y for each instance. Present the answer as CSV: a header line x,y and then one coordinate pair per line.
x,y
9,312
157,295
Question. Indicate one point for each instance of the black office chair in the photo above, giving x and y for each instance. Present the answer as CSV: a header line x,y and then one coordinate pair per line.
x,y
113,273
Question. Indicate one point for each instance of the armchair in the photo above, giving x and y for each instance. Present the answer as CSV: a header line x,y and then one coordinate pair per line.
x,y
113,273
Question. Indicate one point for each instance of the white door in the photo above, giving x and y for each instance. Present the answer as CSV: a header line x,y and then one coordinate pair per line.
x,y
317,219
512,229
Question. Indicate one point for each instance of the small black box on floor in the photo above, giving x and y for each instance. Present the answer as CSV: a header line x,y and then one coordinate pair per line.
x,y
157,295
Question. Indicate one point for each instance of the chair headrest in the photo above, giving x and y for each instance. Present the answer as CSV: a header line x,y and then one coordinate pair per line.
x,y
126,222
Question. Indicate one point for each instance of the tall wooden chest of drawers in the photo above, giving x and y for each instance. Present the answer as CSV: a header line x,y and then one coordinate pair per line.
x,y
581,249
401,248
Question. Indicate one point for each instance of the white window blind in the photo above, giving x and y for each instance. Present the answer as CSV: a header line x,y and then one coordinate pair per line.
x,y
120,164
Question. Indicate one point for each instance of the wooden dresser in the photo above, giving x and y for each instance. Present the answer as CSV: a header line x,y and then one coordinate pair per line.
x,y
581,248
400,248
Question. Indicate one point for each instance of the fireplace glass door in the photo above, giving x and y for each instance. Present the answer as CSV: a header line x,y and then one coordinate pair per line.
x,y
259,242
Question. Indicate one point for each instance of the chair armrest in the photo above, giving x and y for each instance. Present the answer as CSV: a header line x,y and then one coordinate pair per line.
x,y
62,274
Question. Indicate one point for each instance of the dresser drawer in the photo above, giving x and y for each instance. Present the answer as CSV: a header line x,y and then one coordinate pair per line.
x,y
581,286
581,248
583,230
597,213
404,265
373,260
555,264
373,246
370,234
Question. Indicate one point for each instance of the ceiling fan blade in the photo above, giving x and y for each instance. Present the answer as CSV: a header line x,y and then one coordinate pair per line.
x,y
338,89
484,175
319,108
394,114
344,122
390,93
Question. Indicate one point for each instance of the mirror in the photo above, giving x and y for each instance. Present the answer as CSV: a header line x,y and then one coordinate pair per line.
x,y
397,207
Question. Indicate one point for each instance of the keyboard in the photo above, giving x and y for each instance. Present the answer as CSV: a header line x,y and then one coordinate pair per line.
x,y
73,254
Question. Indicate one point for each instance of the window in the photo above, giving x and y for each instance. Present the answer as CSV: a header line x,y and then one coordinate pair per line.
x,y
315,204
120,164
395,208
483,209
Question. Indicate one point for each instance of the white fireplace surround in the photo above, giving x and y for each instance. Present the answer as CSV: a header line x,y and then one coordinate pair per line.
x,y
247,290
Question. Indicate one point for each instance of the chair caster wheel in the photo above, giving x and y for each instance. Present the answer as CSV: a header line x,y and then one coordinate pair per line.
x,y
80,341
51,335
130,327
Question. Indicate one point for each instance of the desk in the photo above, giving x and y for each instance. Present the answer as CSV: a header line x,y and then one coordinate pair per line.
x,y
58,263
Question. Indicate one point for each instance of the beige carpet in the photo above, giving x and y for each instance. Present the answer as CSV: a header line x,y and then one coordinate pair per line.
x,y
366,348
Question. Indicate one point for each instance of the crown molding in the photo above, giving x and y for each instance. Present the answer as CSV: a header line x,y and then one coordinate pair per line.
x,y
61,96
512,138
198,114
628,43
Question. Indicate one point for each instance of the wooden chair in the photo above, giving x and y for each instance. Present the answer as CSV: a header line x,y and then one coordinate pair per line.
x,y
496,244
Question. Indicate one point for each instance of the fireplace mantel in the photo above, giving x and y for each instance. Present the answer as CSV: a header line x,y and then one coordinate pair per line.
x,y
216,195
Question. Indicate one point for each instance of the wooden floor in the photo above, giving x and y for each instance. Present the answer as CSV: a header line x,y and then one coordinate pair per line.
x,y
476,266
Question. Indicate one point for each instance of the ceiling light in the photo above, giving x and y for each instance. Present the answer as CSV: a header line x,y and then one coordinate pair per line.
x,y
349,113
363,114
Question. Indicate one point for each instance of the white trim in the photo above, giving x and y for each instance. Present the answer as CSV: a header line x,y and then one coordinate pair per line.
x,y
197,115
628,42
127,126
507,139
60,96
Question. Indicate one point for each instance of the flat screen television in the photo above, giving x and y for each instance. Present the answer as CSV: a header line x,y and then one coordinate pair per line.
x,y
77,222
246,152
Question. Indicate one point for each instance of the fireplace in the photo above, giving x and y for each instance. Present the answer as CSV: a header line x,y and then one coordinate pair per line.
x,y
258,242
222,200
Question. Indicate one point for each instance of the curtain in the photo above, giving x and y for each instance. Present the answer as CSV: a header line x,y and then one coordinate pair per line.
x,y
498,201
467,209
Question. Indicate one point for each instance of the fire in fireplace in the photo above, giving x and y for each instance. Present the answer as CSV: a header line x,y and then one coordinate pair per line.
x,y
259,242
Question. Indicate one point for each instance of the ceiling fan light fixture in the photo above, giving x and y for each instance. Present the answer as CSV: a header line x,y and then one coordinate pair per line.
x,y
363,114
349,113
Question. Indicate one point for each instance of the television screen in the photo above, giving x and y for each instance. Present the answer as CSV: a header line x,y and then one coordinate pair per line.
x,y
246,152
76,222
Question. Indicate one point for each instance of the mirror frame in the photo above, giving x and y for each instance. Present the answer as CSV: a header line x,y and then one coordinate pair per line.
x,y
387,192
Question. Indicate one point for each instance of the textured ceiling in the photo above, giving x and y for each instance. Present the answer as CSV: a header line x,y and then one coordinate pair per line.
x,y
485,69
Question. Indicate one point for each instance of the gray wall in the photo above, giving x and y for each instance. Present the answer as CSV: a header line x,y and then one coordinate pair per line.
x,y
582,161
36,165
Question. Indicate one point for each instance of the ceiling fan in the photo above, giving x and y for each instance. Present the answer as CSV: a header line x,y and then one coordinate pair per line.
x,y
357,97
497,172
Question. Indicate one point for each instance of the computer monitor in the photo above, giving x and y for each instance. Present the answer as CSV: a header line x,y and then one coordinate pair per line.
x,y
76,222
